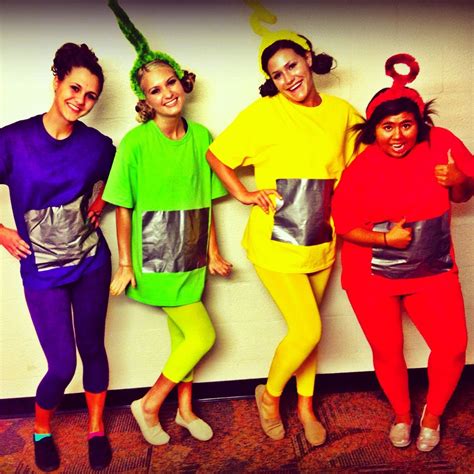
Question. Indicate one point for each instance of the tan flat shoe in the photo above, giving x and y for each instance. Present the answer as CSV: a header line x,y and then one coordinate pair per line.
x,y
272,427
314,432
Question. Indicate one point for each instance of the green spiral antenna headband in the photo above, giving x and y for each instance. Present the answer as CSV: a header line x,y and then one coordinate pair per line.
x,y
144,54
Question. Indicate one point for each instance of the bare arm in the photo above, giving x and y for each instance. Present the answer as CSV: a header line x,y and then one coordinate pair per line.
x,y
96,208
235,187
217,264
124,274
398,236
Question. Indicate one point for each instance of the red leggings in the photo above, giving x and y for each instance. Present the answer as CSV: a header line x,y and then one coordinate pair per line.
x,y
438,313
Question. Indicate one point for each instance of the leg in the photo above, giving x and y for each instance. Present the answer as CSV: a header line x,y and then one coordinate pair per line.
x,y
198,337
163,386
51,315
50,312
380,318
306,373
177,337
294,296
438,313
185,416
90,296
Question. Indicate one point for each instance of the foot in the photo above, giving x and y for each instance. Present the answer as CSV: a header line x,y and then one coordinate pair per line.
x,y
314,432
46,454
198,428
100,453
400,434
153,434
272,427
429,437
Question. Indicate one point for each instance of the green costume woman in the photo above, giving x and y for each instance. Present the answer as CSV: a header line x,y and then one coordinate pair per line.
x,y
164,187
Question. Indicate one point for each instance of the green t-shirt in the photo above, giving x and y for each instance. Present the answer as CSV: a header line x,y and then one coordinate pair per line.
x,y
169,186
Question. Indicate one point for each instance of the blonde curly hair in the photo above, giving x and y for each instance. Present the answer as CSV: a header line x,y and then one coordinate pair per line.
x,y
146,113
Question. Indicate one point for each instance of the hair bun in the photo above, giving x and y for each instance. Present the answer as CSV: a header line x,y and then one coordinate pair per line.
x,y
322,63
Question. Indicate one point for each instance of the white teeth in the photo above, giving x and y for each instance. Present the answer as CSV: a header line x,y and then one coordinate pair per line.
x,y
292,88
171,103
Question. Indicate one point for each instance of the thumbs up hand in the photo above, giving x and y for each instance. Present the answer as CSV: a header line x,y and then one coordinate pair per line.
x,y
399,236
449,175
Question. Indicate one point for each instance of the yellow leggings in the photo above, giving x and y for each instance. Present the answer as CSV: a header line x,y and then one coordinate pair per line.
x,y
298,296
192,335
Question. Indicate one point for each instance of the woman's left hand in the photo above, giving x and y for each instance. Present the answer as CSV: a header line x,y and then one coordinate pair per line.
x,y
93,218
218,265
449,174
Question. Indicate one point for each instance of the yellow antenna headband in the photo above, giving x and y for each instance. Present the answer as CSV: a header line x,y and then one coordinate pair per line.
x,y
261,14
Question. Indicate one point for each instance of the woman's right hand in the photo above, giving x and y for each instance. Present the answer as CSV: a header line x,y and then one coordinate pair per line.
x,y
259,198
399,236
122,278
13,243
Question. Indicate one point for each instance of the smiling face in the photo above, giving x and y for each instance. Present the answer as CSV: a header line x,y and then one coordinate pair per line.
x,y
75,95
163,91
396,135
292,76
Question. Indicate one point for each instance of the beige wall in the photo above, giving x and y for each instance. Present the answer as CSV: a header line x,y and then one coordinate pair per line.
x,y
215,41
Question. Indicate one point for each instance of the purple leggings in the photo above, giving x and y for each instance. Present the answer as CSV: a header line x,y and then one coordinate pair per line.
x,y
63,317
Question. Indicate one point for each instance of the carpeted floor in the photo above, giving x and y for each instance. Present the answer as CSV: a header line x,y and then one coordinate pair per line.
x,y
357,423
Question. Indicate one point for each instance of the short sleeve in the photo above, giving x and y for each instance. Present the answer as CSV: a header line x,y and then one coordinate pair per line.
x,y
217,188
236,146
120,186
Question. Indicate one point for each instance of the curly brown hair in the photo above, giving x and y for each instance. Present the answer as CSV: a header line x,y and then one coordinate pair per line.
x,y
71,55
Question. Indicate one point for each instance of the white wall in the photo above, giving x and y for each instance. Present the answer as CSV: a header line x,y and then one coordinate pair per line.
x,y
215,41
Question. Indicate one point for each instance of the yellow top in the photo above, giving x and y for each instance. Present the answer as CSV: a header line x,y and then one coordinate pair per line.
x,y
284,140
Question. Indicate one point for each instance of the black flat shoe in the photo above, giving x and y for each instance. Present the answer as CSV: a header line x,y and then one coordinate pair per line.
x,y
100,453
46,454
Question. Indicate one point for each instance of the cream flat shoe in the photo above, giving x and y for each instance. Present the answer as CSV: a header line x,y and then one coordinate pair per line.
x,y
155,435
198,428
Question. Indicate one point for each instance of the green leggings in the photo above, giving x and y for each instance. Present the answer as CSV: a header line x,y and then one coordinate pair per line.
x,y
192,335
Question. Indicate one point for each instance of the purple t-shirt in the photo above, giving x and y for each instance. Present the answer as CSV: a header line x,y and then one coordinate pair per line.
x,y
52,183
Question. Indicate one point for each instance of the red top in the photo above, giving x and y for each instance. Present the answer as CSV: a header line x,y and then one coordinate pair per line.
x,y
377,188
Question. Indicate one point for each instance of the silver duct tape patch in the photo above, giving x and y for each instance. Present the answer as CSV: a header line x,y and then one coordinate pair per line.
x,y
174,241
60,236
427,254
302,217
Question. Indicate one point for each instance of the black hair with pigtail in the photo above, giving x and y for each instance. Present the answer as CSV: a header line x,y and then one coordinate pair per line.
x,y
322,63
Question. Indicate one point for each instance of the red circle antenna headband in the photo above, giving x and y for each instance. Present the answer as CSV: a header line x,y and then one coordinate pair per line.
x,y
398,88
